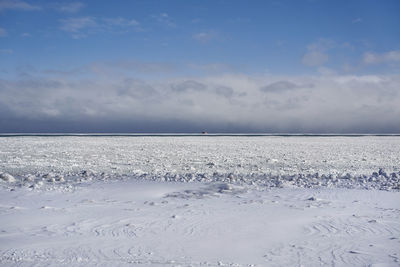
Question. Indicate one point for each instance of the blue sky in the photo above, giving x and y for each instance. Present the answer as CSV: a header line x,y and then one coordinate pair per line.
x,y
66,46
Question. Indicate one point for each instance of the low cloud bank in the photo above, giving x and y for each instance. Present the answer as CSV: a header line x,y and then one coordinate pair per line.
x,y
223,103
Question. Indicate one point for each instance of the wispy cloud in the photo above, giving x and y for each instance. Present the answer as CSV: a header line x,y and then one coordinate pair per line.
x,y
3,32
69,72
356,20
205,36
72,7
315,58
371,58
78,27
6,51
121,22
316,54
17,5
214,67
77,24
82,26
129,66
165,20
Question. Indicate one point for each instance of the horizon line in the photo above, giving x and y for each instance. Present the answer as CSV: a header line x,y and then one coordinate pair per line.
x,y
191,134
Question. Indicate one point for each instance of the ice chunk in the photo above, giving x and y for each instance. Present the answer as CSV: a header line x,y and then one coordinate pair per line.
x,y
7,177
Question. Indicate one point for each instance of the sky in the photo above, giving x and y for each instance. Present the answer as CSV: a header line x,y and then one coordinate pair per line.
x,y
306,66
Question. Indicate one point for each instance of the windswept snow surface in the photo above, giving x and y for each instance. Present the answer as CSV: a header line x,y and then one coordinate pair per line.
x,y
199,201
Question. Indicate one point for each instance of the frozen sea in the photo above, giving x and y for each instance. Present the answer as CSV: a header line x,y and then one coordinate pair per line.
x,y
199,200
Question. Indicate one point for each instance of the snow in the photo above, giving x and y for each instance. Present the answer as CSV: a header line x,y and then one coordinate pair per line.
x,y
267,161
199,201
7,177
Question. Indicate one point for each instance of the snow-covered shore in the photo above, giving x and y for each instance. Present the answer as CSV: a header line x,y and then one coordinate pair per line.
x,y
199,201
175,224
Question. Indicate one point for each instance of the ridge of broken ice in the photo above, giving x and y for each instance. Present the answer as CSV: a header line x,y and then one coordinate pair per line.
x,y
377,180
306,162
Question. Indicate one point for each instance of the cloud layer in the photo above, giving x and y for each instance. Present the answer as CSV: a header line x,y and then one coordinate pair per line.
x,y
80,27
388,57
17,5
222,103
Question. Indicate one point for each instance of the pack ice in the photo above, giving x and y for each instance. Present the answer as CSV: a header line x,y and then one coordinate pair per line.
x,y
199,201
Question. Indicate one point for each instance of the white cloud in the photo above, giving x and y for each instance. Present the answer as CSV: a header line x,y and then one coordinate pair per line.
x,y
357,20
322,44
17,5
213,67
205,36
119,21
130,66
316,53
315,58
326,71
3,32
77,24
165,20
72,7
334,103
375,58
283,86
82,26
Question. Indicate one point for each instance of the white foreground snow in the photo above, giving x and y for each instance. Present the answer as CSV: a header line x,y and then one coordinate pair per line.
x,y
251,201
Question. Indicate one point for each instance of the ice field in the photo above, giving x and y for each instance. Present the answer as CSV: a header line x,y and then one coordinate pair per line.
x,y
268,161
199,200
